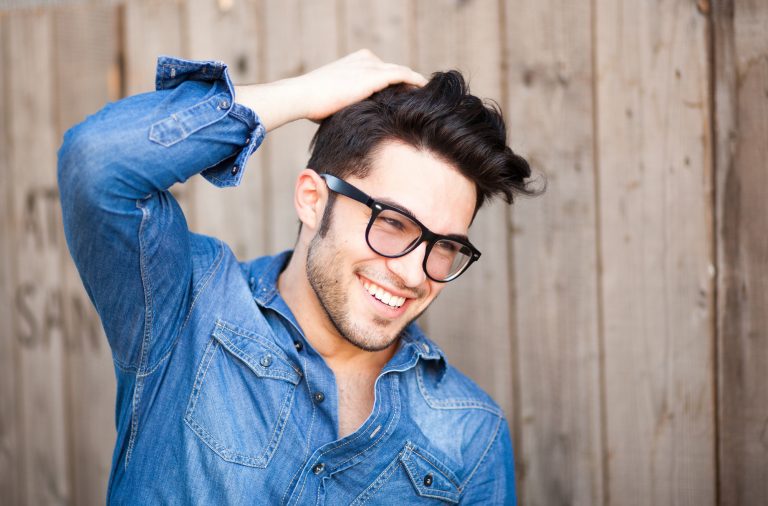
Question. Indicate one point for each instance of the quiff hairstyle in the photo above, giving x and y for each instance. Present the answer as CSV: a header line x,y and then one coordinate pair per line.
x,y
442,118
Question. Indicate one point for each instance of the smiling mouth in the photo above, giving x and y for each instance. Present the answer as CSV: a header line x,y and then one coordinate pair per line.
x,y
382,295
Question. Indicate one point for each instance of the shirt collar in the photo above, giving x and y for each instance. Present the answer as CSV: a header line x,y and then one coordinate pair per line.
x,y
263,273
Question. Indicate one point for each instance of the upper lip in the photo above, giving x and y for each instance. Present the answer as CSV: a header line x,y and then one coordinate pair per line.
x,y
384,287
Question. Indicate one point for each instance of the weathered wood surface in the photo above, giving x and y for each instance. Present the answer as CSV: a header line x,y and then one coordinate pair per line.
x,y
595,317
150,28
550,114
38,328
86,67
656,249
10,450
741,103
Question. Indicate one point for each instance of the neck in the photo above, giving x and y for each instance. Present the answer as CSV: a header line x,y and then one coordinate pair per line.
x,y
339,354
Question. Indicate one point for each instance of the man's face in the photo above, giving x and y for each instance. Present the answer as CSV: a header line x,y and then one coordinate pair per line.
x,y
351,281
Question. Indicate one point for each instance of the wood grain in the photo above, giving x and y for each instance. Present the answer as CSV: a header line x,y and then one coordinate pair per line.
x,y
655,194
151,28
386,28
550,118
37,244
742,220
10,451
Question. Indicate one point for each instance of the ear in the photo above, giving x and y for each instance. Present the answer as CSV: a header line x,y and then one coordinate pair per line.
x,y
309,198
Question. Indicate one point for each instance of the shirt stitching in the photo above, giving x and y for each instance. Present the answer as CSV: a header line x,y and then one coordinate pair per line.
x,y
485,453
197,291
148,318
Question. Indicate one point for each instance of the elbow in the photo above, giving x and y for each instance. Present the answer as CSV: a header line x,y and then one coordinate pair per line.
x,y
75,154
82,162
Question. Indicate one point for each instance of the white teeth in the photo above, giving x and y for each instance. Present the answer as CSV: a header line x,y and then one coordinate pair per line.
x,y
384,296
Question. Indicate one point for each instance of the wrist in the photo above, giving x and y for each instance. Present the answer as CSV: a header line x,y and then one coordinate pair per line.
x,y
276,103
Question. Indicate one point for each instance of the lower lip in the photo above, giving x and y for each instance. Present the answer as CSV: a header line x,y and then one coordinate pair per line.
x,y
384,309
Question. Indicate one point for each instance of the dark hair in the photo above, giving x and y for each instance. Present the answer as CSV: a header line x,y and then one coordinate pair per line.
x,y
442,118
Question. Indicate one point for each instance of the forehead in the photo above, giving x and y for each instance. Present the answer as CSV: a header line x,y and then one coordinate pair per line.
x,y
433,190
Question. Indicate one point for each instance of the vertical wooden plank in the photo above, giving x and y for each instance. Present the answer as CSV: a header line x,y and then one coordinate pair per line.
x,y
654,152
470,320
39,325
300,36
741,71
151,28
87,76
229,32
383,27
10,451
550,118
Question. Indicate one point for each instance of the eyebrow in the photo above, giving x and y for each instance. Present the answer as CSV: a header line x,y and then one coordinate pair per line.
x,y
409,213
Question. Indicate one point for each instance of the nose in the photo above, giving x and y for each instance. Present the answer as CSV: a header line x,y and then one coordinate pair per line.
x,y
410,267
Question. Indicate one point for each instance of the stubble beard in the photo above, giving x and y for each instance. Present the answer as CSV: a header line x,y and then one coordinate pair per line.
x,y
324,275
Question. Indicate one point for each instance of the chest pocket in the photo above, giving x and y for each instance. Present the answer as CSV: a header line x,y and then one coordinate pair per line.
x,y
414,477
242,396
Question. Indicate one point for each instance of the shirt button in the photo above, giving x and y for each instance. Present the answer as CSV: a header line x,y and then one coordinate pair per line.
x,y
319,397
266,361
247,140
428,480
235,170
318,468
224,104
298,345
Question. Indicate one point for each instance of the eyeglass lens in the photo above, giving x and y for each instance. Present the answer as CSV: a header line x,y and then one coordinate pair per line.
x,y
393,233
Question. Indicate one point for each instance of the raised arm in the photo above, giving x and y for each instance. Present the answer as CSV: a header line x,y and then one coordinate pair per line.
x,y
126,233
325,90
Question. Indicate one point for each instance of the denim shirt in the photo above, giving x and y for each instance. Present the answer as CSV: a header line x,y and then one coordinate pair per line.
x,y
220,397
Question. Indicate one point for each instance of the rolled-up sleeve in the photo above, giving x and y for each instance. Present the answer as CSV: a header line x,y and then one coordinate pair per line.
x,y
126,233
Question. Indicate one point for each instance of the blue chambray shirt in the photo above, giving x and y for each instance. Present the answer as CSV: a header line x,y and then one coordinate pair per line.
x,y
220,397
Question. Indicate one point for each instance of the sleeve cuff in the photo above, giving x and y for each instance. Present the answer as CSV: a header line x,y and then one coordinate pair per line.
x,y
171,72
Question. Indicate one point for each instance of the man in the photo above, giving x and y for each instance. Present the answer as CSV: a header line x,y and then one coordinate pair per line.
x,y
299,378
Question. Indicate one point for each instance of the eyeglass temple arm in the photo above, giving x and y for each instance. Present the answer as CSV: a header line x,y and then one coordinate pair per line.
x,y
341,186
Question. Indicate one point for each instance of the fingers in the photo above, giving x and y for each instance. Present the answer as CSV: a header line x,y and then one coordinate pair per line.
x,y
348,80
403,74
395,73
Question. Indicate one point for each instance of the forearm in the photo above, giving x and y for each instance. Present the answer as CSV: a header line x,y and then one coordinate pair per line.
x,y
323,91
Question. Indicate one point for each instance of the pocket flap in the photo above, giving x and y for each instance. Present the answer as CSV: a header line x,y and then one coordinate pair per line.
x,y
429,476
180,125
261,355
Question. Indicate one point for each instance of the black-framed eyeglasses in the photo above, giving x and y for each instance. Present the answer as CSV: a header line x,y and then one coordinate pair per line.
x,y
394,233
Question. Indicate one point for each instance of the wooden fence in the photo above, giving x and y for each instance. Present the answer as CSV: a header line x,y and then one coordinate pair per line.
x,y
621,320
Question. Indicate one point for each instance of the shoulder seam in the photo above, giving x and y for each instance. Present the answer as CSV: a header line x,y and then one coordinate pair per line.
x,y
458,403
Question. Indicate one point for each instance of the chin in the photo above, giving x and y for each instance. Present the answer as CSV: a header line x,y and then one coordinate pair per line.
x,y
376,337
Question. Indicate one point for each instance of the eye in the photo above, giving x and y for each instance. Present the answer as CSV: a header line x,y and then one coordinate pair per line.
x,y
392,222
448,247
